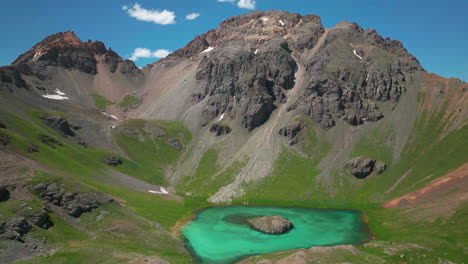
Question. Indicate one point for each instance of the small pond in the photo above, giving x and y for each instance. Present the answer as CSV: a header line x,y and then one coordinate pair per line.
x,y
221,235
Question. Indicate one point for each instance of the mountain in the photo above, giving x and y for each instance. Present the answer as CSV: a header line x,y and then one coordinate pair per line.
x,y
270,108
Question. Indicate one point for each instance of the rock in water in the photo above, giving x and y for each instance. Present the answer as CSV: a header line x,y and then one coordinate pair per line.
x,y
271,224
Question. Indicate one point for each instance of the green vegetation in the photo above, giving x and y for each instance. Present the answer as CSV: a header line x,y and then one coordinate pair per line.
x,y
209,177
101,101
146,143
130,101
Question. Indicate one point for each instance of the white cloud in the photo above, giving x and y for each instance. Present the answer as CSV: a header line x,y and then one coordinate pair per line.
x,y
192,16
164,17
146,53
222,1
247,4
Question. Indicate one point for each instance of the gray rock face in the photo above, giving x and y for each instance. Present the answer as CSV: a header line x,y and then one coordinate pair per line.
x,y
4,138
291,131
14,228
4,193
271,224
112,161
74,203
220,129
64,128
362,167
251,67
41,220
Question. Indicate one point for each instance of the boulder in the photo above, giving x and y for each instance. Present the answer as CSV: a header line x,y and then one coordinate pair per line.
x,y
174,143
4,193
380,167
360,167
41,220
220,129
14,228
271,224
32,148
2,125
292,130
4,138
112,161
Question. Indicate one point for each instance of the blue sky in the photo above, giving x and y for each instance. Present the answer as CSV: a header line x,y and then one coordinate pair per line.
x,y
436,32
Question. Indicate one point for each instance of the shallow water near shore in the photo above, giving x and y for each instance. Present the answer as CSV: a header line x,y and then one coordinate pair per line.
x,y
220,235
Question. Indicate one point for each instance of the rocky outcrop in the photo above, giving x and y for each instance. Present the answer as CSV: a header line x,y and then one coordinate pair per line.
x,y
74,203
174,143
66,50
271,224
220,129
362,167
292,130
14,228
4,193
113,161
4,138
2,125
41,220
32,148
49,141
63,128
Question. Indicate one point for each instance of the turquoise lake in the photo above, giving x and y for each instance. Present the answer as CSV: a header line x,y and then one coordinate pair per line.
x,y
220,235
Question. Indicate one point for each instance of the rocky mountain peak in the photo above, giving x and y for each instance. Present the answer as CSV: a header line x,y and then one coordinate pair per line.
x,y
67,50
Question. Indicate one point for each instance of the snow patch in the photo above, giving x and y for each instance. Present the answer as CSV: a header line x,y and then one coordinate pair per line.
x,y
221,117
141,68
55,97
264,19
162,191
281,22
367,77
207,50
256,51
114,117
57,91
37,55
355,53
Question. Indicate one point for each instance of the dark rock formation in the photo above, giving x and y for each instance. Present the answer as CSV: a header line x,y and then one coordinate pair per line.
x,y
74,203
292,130
2,125
41,220
66,50
271,224
362,167
220,129
4,138
4,193
14,228
63,128
49,141
174,143
113,161
32,148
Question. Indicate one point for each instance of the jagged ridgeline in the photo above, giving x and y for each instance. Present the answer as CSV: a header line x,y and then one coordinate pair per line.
x,y
270,108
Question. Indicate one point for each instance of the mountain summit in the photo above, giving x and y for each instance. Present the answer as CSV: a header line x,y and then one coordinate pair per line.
x,y
270,108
